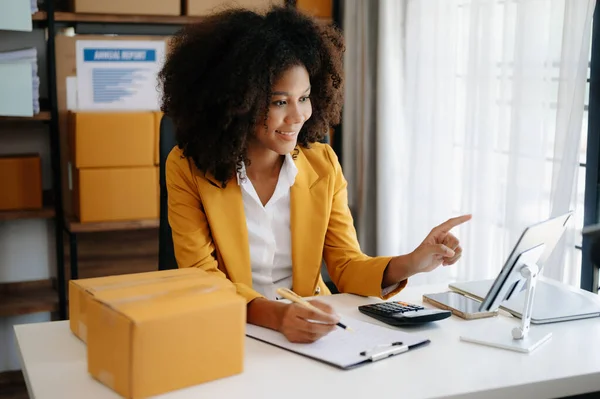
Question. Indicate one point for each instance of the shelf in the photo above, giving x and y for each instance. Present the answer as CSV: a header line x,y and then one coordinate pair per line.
x,y
117,19
39,16
46,212
74,226
60,16
42,116
27,297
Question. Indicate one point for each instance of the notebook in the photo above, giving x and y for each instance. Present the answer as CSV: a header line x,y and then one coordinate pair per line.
x,y
344,349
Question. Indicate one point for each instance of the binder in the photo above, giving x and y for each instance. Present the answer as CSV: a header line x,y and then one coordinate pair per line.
x,y
16,14
19,83
367,343
16,89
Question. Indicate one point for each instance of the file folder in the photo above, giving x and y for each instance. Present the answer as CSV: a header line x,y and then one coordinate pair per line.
x,y
16,14
367,343
16,89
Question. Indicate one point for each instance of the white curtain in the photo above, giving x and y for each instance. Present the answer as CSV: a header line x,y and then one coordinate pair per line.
x,y
479,110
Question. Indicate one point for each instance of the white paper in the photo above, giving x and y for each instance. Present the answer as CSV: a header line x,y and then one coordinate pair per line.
x,y
340,347
25,54
71,93
118,75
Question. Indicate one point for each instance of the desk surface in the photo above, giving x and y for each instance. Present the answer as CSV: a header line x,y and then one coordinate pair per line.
x,y
54,364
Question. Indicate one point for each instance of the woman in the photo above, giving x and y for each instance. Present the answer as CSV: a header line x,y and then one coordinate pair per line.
x,y
253,195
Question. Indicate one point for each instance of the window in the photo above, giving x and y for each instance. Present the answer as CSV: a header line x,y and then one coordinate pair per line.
x,y
579,206
487,76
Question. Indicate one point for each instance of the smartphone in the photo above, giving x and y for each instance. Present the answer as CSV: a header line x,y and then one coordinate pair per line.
x,y
459,304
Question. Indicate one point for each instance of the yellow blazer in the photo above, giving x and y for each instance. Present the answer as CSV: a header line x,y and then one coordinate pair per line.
x,y
209,227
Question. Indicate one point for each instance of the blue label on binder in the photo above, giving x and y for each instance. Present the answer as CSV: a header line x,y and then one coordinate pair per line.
x,y
118,55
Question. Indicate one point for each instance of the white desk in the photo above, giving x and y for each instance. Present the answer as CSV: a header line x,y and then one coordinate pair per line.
x,y
54,365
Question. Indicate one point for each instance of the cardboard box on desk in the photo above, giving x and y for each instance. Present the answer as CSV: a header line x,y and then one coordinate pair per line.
x,y
116,194
149,340
83,289
137,7
20,182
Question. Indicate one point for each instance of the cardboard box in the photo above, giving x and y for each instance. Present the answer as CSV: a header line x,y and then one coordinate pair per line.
x,y
136,7
204,7
20,182
83,289
316,8
157,118
112,139
66,66
147,341
112,194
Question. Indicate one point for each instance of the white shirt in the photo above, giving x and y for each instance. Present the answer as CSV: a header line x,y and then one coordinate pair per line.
x,y
269,231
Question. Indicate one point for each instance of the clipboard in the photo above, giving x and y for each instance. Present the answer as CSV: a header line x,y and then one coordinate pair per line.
x,y
367,343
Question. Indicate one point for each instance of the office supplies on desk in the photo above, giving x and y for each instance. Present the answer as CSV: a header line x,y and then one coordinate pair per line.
x,y
368,343
402,313
292,296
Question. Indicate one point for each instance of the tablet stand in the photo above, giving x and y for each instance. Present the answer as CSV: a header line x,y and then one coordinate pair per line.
x,y
522,339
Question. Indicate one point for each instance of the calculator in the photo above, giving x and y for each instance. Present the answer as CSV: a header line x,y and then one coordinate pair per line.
x,y
403,313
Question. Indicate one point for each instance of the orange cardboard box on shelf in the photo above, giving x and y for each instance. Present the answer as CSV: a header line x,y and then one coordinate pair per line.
x,y
113,166
21,182
112,139
143,154
205,7
136,7
115,194
316,8
144,339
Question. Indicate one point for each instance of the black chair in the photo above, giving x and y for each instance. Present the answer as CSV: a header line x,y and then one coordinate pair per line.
x,y
166,253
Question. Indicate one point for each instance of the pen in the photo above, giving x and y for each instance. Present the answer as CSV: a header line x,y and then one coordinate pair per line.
x,y
292,296
364,353
394,349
